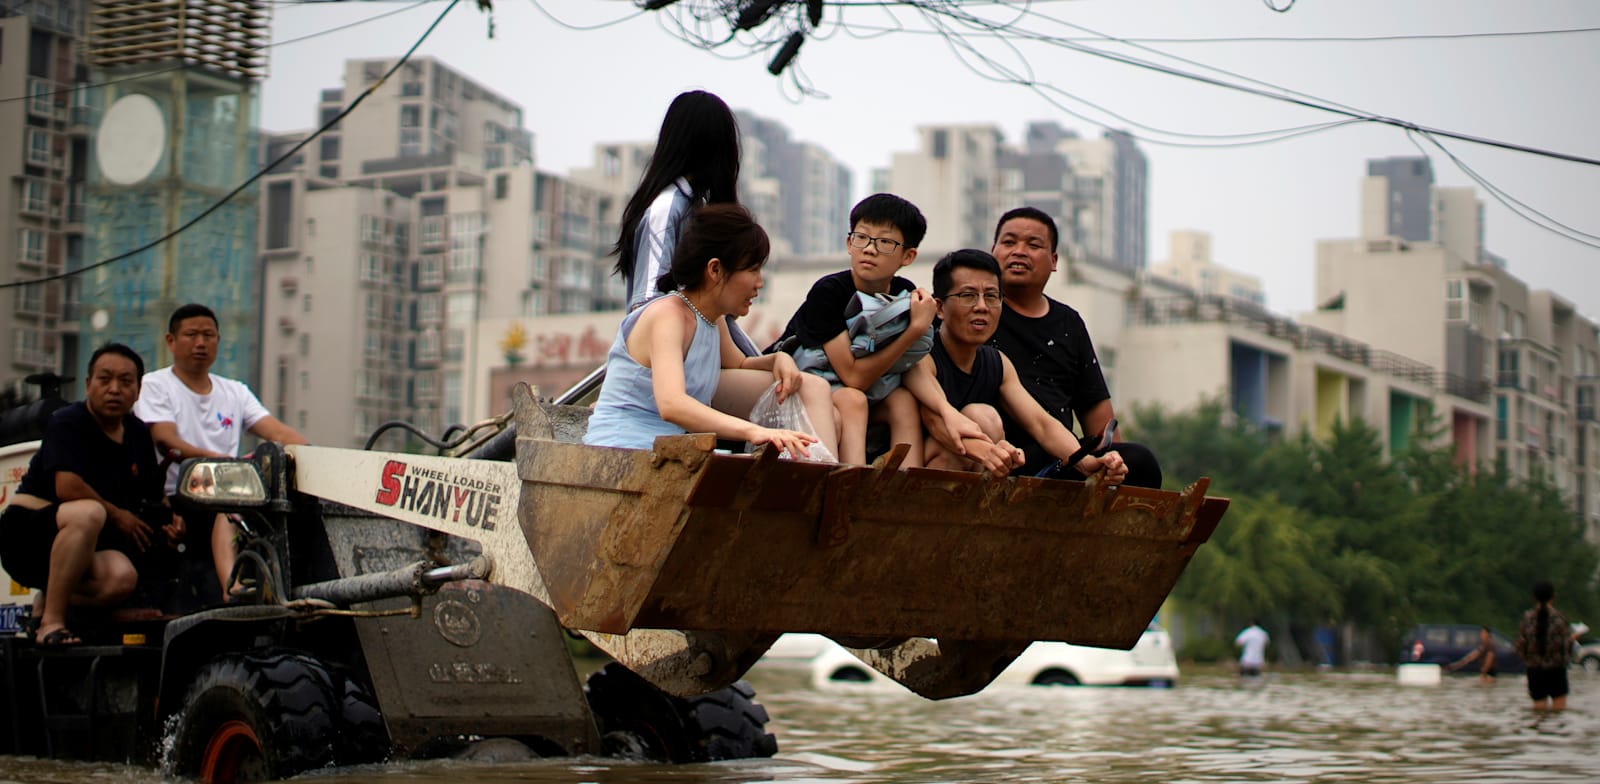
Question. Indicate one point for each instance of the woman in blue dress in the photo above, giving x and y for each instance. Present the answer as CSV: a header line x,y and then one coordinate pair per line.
x,y
674,367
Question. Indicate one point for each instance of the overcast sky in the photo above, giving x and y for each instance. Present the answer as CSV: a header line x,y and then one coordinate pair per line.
x,y
1264,204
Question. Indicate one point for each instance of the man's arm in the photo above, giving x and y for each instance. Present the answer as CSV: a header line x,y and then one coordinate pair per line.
x,y
1096,418
269,428
1049,432
944,423
863,372
71,487
165,434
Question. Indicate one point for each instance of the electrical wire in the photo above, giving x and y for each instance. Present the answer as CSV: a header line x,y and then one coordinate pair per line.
x,y
203,214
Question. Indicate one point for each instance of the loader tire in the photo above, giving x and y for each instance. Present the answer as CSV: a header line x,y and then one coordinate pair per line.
x,y
363,736
255,717
638,719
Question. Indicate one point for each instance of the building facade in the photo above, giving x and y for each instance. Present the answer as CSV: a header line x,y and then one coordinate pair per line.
x,y
424,210
44,156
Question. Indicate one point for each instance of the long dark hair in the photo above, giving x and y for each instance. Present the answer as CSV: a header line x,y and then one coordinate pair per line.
x,y
725,232
1543,592
699,140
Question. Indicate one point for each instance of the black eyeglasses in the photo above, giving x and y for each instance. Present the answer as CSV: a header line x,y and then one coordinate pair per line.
x,y
884,244
970,298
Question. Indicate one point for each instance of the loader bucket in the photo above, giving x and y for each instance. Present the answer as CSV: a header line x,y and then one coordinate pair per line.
x,y
683,537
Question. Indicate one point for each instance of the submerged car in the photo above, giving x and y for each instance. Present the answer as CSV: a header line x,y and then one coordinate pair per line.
x,y
1151,662
1446,643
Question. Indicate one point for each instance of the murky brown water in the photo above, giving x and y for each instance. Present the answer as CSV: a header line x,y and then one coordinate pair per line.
x,y
1212,728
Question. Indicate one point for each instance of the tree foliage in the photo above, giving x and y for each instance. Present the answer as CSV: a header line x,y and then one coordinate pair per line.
x,y
1329,532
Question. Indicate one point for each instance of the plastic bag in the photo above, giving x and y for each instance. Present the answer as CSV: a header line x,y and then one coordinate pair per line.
x,y
789,415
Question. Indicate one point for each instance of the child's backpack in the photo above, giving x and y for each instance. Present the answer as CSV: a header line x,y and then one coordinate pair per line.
x,y
872,321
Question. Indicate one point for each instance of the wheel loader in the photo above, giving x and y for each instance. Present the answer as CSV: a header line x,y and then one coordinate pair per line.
x,y
395,605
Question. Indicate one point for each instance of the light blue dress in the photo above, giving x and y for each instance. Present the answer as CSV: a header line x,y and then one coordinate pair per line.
x,y
626,413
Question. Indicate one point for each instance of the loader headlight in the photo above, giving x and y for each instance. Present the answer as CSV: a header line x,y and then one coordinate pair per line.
x,y
222,483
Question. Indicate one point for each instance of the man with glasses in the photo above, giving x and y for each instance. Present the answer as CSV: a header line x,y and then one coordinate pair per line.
x,y
1050,345
193,413
982,384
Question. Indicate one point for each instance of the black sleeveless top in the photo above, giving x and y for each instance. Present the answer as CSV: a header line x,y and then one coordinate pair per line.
x,y
982,385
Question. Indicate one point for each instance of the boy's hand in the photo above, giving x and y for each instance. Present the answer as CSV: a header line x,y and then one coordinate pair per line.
x,y
922,311
1110,462
787,374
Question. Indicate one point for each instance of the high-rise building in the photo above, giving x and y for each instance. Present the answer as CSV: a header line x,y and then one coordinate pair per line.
x,y
423,209
1110,197
951,177
1404,209
174,113
813,188
44,154
965,177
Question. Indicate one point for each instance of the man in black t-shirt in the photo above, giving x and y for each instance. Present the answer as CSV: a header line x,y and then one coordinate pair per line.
x,y
1049,343
75,519
982,383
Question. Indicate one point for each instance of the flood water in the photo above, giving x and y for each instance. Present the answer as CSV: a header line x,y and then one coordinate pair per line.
x,y
1356,727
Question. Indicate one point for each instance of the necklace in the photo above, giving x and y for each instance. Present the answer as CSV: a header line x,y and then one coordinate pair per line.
x,y
690,303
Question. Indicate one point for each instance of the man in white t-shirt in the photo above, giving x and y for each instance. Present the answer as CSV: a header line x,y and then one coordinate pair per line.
x,y
1254,642
192,413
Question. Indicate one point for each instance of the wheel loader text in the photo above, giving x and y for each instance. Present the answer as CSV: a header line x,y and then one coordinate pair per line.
x,y
438,494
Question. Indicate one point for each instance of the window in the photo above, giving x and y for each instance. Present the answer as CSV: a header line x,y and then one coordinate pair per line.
x,y
374,307
30,246
371,268
330,148
611,162
38,147
30,300
35,197
41,101
454,341
1455,300
372,229
410,116
941,144
305,303
502,186
305,344
374,346
430,271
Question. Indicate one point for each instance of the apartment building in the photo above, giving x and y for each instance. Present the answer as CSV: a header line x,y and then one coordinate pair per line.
x,y
424,209
951,177
964,177
1190,264
44,153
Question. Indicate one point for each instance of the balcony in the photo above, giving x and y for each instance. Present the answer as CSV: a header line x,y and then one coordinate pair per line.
x,y
1508,379
1585,413
286,325
289,286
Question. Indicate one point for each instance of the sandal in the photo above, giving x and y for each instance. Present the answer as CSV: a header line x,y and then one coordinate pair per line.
x,y
59,637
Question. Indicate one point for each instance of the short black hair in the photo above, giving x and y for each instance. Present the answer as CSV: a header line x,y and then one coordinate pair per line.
x,y
189,311
122,349
971,258
1031,213
895,211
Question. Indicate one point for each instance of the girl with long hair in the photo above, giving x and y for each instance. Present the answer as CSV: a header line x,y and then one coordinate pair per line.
x,y
696,162
674,367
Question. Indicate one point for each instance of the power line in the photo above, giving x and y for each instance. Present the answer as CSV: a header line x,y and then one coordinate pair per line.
x,y
254,177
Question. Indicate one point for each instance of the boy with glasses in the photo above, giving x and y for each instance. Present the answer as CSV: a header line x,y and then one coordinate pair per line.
x,y
981,382
884,232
